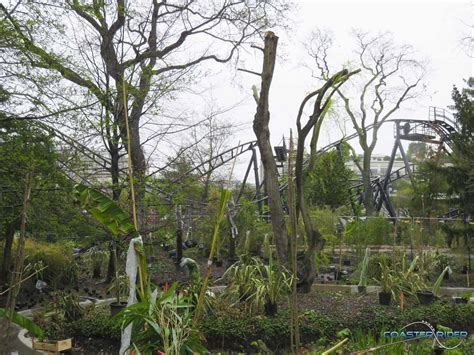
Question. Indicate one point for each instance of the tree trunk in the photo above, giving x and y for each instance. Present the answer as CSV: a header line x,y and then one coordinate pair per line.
x,y
19,258
315,241
205,193
111,267
7,254
314,237
367,181
262,132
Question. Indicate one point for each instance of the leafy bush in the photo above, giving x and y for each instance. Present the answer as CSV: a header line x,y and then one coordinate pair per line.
x,y
315,325
256,283
456,316
99,327
375,230
374,270
231,328
61,268
93,322
164,322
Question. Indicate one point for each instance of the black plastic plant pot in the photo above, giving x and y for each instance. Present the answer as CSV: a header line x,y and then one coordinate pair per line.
x,y
271,308
346,262
385,298
460,300
190,243
116,308
361,289
96,273
425,297
217,263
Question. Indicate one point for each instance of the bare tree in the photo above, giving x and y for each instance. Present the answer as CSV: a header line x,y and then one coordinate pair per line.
x,y
391,75
212,138
141,49
322,100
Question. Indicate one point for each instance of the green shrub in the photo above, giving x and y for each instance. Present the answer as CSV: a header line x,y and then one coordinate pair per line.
x,y
99,327
374,270
230,328
376,230
274,331
94,322
315,325
61,268
456,316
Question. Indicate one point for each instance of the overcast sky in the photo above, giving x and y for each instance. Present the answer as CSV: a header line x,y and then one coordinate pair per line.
x,y
434,29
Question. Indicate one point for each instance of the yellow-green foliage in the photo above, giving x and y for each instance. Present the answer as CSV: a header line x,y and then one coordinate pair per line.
x,y
61,268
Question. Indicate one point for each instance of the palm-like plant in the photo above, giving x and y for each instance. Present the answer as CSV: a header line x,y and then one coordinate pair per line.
x,y
407,279
241,276
272,283
437,284
258,284
387,280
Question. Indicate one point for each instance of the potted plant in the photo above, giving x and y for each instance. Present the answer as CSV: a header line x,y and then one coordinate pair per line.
x,y
386,282
362,286
272,283
257,284
463,299
119,286
428,296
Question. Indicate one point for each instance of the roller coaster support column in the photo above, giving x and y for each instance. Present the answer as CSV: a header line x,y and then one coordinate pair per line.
x,y
251,162
386,180
404,156
383,190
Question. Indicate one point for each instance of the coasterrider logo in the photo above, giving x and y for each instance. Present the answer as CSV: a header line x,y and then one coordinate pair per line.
x,y
431,333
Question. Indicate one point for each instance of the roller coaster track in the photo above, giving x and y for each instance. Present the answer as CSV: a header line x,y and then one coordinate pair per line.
x,y
442,126
437,129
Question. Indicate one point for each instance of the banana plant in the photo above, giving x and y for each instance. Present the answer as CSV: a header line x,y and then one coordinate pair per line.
x,y
107,212
104,210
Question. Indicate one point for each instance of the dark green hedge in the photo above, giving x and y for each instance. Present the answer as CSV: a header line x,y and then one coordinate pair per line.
x,y
237,331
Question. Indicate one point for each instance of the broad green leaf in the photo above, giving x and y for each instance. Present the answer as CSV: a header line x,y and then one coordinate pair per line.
x,y
104,210
24,322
